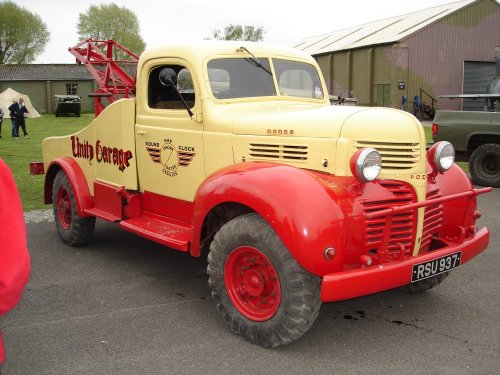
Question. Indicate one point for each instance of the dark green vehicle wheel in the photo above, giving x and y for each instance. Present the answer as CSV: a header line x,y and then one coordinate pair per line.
x,y
484,165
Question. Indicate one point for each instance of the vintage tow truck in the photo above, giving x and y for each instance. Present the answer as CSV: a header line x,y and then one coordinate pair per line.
x,y
233,151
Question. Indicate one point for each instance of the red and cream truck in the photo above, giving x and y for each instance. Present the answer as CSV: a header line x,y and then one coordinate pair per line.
x,y
232,151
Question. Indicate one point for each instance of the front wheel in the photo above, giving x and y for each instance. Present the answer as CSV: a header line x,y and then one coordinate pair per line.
x,y
73,230
260,289
484,165
423,285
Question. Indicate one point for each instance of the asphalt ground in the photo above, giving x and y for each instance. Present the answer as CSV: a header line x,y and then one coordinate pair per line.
x,y
124,305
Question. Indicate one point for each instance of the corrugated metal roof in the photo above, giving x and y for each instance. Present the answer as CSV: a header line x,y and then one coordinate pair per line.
x,y
44,72
389,30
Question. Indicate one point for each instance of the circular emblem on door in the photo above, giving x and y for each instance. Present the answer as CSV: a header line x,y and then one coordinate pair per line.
x,y
169,159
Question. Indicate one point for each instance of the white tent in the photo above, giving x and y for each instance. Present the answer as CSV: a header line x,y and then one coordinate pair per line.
x,y
8,96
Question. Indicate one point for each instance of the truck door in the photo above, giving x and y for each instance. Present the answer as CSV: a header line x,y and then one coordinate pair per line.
x,y
169,143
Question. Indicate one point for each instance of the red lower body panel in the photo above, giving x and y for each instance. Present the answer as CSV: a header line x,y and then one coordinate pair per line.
x,y
363,281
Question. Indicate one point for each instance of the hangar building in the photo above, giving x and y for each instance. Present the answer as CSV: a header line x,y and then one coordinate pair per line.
x,y
447,49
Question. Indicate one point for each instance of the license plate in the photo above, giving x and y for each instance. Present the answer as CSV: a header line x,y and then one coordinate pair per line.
x,y
434,267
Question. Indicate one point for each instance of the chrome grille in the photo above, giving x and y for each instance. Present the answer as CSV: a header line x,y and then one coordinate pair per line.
x,y
266,151
400,156
433,219
403,224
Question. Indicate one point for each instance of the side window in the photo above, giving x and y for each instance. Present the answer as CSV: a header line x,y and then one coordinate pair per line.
x,y
163,97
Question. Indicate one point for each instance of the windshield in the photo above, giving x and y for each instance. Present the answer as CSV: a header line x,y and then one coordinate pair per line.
x,y
239,78
232,78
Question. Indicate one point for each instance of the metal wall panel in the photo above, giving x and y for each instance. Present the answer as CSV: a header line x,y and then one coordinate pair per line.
x,y
437,53
477,75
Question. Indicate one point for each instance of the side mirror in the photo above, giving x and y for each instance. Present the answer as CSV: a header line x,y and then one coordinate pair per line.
x,y
168,77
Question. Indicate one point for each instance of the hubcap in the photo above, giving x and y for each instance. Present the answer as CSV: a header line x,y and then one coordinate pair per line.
x,y
491,165
64,208
252,283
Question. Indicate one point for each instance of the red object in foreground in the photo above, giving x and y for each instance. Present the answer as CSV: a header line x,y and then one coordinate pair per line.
x,y
14,257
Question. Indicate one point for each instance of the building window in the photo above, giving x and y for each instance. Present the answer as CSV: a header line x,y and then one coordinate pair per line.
x,y
72,88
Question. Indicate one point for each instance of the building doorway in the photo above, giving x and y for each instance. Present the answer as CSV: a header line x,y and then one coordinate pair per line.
x,y
383,95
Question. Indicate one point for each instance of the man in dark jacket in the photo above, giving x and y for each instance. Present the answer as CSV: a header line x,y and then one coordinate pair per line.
x,y
13,109
22,113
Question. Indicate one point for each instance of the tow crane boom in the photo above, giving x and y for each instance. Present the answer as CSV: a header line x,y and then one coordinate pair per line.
x,y
112,74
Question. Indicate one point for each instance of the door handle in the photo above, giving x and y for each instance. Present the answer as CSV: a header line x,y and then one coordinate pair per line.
x,y
141,132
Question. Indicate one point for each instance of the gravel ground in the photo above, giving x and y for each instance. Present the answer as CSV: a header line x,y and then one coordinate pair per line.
x,y
38,216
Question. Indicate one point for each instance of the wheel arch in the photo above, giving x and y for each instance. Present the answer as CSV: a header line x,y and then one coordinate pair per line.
x,y
302,211
76,179
478,139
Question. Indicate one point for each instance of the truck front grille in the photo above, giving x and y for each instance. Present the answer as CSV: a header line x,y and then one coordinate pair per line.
x,y
266,151
433,220
399,156
402,229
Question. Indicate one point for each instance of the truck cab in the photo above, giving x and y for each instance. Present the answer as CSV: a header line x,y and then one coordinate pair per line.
x,y
233,151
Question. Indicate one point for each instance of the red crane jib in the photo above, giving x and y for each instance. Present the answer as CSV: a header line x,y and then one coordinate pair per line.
x,y
112,66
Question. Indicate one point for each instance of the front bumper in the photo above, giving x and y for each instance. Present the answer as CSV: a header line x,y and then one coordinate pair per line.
x,y
377,278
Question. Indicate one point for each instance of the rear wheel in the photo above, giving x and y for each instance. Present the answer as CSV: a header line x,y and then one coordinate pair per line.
x,y
73,230
260,290
484,165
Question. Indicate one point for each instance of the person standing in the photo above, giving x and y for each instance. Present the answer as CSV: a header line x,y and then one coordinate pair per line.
x,y
22,113
13,108
14,255
1,120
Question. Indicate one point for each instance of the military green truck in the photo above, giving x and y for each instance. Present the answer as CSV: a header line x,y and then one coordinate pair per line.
x,y
476,138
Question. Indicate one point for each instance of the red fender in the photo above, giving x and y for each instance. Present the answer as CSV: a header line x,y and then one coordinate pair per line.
x,y
458,212
300,205
77,181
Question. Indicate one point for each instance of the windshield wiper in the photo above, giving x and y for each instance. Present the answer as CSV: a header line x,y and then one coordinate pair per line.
x,y
255,61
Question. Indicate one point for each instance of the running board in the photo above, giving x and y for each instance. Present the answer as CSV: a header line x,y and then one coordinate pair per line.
x,y
160,230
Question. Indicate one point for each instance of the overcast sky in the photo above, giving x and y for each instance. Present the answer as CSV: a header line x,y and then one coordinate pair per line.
x,y
161,22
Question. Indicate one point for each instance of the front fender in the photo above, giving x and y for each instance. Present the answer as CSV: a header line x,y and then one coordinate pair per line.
x,y
459,212
307,210
76,179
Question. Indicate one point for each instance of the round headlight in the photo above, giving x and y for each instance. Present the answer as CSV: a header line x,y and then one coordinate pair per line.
x,y
442,156
366,164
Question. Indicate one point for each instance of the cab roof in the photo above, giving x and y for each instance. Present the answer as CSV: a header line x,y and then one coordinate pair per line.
x,y
199,51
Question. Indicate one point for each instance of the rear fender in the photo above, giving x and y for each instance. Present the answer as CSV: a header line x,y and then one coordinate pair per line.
x,y
77,181
300,206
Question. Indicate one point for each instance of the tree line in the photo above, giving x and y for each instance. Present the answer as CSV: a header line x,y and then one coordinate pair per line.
x,y
24,35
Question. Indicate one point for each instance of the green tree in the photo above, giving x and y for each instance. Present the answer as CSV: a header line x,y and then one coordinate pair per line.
x,y
23,35
238,32
109,21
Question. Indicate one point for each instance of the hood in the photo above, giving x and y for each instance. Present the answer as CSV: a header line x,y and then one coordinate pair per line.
x,y
298,120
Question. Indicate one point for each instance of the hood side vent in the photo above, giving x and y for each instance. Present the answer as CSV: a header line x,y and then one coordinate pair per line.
x,y
266,151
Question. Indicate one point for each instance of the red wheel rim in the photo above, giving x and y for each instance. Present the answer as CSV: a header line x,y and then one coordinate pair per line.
x,y
64,208
252,283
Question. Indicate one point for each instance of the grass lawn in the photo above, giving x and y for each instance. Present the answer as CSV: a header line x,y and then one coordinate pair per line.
x,y
19,153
